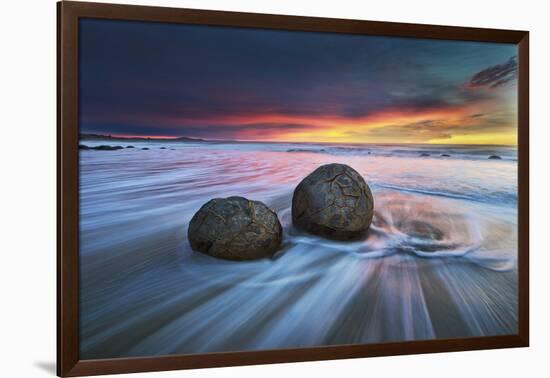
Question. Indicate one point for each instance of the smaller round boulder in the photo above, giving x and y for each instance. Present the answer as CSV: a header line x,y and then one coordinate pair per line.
x,y
235,228
333,201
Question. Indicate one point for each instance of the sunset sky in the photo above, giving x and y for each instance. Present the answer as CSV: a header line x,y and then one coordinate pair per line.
x,y
152,79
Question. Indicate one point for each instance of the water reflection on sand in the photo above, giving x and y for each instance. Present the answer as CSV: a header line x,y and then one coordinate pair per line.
x,y
439,262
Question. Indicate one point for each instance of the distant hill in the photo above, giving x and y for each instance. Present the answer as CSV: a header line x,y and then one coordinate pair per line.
x,y
109,137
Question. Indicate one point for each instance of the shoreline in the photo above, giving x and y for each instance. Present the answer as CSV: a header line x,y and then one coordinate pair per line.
x,y
184,139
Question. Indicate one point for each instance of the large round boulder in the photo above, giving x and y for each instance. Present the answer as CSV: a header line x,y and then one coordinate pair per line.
x,y
333,201
235,228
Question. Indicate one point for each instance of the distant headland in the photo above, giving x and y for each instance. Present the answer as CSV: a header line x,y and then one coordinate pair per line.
x,y
136,138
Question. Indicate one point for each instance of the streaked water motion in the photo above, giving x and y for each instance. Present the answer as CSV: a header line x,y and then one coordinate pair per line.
x,y
439,261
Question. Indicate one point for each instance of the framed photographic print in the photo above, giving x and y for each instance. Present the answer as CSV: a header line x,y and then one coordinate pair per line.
x,y
240,188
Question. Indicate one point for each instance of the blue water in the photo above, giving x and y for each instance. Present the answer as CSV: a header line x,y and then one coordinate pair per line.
x,y
144,292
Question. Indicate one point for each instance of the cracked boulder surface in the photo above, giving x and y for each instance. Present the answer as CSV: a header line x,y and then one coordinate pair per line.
x,y
235,228
333,201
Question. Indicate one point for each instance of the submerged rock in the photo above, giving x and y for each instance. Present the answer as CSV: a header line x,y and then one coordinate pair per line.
x,y
445,155
333,201
305,150
235,228
99,148
424,154
106,148
129,146
145,148
496,157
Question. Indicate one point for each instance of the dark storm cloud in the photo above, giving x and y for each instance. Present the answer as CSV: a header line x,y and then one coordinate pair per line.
x,y
496,76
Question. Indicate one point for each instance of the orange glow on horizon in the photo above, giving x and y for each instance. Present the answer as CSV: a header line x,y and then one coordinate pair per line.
x,y
449,125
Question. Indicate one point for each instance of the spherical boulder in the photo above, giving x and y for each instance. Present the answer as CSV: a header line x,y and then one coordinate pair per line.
x,y
235,228
333,201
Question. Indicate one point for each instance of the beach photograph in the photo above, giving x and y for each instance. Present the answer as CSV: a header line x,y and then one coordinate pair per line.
x,y
248,189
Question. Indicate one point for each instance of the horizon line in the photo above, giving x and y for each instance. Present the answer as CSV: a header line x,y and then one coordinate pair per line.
x,y
172,137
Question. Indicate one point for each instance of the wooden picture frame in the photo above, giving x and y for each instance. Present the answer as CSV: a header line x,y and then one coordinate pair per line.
x,y
69,13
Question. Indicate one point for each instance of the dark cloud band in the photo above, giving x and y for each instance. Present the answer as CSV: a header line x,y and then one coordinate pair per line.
x,y
496,76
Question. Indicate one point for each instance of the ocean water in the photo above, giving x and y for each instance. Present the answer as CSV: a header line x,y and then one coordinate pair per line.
x,y
440,260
